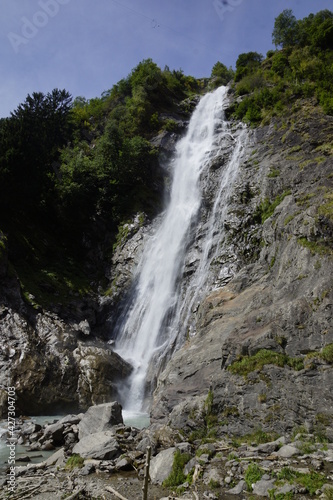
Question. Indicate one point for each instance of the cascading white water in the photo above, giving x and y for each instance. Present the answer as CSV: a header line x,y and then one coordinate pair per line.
x,y
156,298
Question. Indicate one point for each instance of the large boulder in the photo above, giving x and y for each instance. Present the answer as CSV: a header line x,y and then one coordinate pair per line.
x,y
161,466
98,446
99,370
100,418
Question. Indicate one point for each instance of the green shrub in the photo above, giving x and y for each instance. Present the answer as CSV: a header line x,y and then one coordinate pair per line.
x,y
74,461
248,364
327,353
177,476
253,474
266,208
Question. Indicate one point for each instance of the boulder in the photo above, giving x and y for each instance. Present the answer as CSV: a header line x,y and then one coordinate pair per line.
x,y
99,369
161,466
237,490
100,418
53,433
287,451
99,446
262,487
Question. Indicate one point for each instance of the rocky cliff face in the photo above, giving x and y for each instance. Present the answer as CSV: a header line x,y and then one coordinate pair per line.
x,y
53,364
264,341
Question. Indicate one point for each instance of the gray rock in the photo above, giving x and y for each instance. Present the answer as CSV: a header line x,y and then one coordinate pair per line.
x,y
100,418
47,446
262,487
161,466
71,419
190,465
124,464
286,488
237,490
287,451
87,469
55,433
184,447
58,459
270,447
212,474
99,446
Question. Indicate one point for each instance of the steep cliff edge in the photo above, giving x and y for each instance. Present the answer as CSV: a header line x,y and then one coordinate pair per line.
x,y
264,341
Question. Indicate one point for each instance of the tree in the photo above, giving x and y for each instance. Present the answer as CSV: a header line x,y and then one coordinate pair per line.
x,y
31,139
222,73
247,63
286,29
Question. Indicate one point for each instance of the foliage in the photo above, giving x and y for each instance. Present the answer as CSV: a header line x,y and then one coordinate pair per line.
x,y
266,208
177,476
257,437
316,247
247,63
327,353
285,32
248,364
29,150
77,170
312,481
221,74
74,461
253,474
303,68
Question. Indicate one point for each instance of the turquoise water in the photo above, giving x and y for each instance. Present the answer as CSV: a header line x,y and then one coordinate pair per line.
x,y
35,457
136,419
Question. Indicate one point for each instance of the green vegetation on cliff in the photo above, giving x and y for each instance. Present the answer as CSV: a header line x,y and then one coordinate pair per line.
x,y
301,68
71,172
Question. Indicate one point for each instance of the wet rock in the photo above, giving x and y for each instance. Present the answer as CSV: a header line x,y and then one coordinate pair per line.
x,y
99,370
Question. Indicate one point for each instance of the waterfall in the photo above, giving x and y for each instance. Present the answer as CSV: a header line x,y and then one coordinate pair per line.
x,y
148,326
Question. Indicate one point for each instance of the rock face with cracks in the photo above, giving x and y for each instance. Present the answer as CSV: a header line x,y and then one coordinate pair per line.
x,y
264,341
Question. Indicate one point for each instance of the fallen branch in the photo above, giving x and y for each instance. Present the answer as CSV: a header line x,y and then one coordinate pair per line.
x,y
26,493
111,490
76,494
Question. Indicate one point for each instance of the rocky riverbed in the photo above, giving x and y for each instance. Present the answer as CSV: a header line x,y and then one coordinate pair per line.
x,y
97,456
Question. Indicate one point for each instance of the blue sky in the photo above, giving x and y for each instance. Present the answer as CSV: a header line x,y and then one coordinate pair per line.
x,y
86,46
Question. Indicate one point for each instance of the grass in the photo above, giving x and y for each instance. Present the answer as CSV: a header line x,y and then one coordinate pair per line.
x,y
266,207
328,494
253,474
327,353
312,481
315,247
257,437
74,461
326,209
248,364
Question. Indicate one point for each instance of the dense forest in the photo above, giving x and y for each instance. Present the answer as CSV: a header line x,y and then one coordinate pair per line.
x,y
72,171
